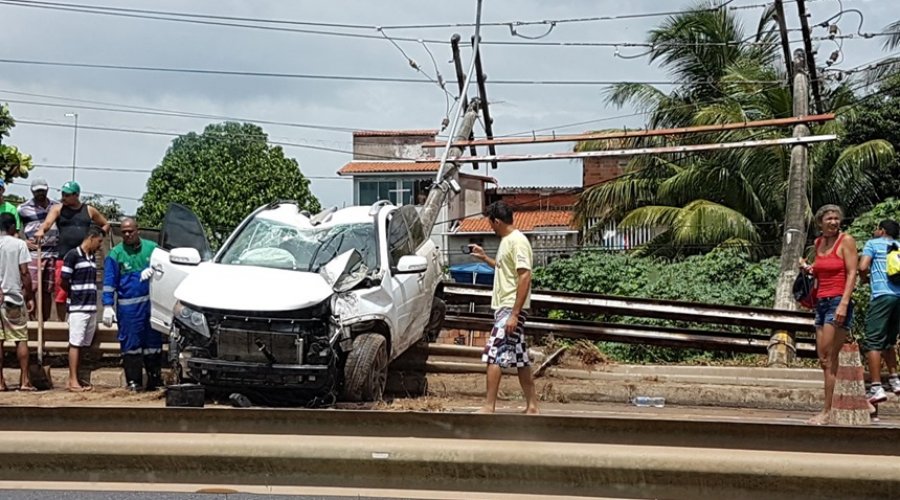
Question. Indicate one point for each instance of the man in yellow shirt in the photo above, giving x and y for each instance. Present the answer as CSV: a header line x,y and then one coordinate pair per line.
x,y
512,296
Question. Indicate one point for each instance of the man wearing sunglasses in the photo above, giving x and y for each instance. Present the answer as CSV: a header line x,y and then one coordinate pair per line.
x,y
72,219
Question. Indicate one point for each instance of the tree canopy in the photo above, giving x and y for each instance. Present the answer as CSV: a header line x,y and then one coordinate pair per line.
x,y
700,201
222,175
13,163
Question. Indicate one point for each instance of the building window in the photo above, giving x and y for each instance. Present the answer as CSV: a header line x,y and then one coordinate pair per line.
x,y
398,192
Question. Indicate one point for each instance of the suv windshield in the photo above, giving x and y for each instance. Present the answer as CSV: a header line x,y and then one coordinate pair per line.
x,y
269,243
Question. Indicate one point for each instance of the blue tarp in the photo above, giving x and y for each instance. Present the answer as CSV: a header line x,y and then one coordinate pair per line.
x,y
476,272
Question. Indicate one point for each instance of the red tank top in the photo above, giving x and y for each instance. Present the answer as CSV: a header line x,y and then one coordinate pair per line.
x,y
830,271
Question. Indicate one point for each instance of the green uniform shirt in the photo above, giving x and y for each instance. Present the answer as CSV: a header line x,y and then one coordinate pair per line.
x,y
9,208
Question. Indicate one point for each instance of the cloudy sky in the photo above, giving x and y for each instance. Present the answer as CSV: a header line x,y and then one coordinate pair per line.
x,y
41,96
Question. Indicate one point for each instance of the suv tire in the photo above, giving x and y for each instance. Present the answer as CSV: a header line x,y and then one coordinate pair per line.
x,y
365,371
435,319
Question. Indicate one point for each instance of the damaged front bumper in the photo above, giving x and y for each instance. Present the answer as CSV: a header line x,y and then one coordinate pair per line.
x,y
257,376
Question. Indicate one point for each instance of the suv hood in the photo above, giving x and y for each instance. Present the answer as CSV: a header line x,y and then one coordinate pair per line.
x,y
251,288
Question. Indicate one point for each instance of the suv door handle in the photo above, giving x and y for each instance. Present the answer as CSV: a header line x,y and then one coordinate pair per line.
x,y
158,269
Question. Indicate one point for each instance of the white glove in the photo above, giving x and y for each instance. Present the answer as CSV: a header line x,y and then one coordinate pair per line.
x,y
146,274
109,316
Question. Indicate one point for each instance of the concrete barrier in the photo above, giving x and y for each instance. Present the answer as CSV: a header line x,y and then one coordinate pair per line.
x,y
440,464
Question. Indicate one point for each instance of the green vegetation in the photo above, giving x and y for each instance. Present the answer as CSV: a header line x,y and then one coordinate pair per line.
x,y
222,175
13,163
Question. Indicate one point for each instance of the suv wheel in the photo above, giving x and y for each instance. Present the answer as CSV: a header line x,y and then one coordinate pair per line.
x,y
436,319
365,371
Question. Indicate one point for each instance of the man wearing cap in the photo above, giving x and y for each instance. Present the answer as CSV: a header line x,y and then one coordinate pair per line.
x,y
33,213
7,207
72,219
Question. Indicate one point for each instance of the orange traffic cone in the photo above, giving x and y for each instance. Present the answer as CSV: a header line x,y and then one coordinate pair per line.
x,y
849,405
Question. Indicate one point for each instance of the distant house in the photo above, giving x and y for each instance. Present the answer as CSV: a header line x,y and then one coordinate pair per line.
x,y
384,167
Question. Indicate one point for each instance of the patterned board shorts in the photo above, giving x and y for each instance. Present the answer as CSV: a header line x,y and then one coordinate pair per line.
x,y
14,320
504,349
48,274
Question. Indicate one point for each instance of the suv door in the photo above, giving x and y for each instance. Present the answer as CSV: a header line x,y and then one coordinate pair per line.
x,y
181,228
409,291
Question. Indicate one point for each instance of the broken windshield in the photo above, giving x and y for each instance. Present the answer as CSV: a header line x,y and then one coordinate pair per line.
x,y
269,243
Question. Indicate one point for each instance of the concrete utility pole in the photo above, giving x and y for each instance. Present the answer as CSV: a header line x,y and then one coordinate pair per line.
x,y
441,191
781,346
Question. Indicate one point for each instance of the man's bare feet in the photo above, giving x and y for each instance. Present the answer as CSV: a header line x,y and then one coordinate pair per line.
x,y
485,409
532,410
820,419
27,387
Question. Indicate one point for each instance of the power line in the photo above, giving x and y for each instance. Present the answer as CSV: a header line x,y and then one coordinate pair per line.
x,y
160,112
146,171
377,79
199,19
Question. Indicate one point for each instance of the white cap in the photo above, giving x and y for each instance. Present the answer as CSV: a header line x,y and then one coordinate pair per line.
x,y
40,184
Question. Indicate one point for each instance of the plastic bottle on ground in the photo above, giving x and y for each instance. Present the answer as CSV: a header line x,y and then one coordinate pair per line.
x,y
647,401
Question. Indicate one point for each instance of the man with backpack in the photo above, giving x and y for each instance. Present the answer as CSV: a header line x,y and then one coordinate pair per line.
x,y
880,262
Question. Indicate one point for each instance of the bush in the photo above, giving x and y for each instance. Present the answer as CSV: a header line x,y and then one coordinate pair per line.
x,y
724,276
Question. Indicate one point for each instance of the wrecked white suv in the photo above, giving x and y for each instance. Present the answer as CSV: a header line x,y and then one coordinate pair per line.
x,y
300,307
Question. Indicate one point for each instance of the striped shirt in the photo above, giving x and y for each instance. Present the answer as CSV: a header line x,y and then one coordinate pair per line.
x,y
81,271
33,215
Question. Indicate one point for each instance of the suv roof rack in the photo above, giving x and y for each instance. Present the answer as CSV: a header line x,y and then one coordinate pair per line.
x,y
377,206
322,216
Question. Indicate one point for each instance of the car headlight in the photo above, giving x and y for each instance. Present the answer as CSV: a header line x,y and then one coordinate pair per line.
x,y
191,319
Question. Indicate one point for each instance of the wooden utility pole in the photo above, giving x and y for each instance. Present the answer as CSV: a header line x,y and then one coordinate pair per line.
x,y
810,55
796,210
785,43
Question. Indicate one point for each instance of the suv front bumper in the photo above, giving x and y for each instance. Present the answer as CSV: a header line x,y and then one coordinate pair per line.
x,y
236,374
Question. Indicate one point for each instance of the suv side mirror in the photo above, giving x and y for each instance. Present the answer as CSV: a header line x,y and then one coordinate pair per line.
x,y
412,264
185,256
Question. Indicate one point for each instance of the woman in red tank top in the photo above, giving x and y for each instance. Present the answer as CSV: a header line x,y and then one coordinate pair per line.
x,y
835,272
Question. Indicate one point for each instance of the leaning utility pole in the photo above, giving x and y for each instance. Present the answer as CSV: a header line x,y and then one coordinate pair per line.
x,y
446,182
796,210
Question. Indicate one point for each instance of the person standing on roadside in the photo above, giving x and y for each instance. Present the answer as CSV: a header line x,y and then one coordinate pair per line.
x,y
511,297
72,218
33,213
835,269
126,300
883,316
7,207
15,283
78,278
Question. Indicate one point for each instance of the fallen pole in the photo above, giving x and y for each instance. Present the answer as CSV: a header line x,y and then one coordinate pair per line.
x,y
629,134
693,148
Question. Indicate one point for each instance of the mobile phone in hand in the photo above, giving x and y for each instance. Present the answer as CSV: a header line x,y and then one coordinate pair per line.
x,y
466,249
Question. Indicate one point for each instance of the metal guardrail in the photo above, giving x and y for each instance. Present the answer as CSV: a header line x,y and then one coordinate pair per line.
x,y
694,312
649,335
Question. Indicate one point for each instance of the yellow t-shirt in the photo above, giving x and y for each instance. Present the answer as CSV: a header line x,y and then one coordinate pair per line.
x,y
514,253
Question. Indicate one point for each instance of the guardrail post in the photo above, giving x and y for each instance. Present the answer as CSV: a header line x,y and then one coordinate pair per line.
x,y
782,357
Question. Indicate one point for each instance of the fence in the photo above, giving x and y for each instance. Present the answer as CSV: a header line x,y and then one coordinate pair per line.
x,y
611,237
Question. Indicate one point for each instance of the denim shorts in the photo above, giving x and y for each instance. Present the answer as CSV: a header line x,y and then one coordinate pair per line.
x,y
825,309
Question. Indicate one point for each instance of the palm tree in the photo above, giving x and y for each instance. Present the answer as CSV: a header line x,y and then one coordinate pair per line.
x,y
736,196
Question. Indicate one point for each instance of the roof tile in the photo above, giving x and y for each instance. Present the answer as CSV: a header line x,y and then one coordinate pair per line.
x,y
524,221
379,167
398,133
